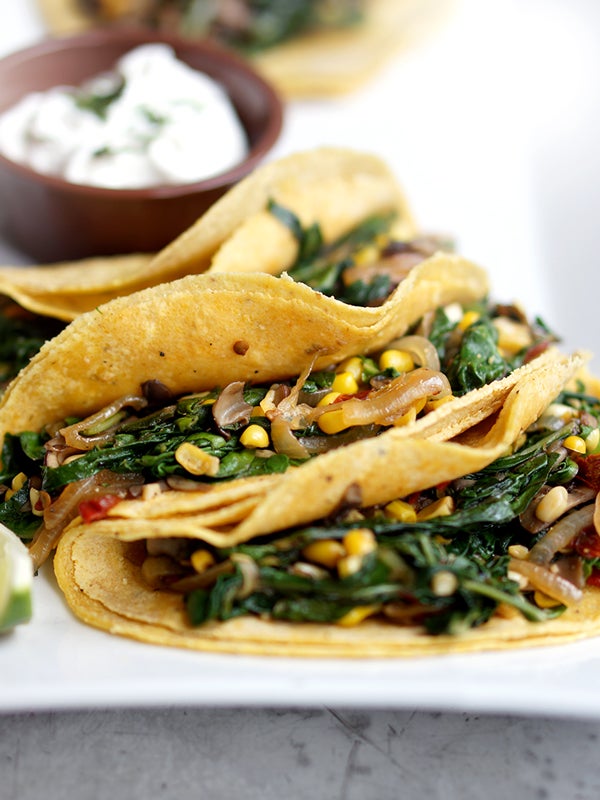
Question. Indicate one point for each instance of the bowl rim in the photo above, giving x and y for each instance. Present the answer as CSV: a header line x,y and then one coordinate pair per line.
x,y
137,36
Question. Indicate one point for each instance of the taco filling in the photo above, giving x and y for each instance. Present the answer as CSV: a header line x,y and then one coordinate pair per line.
x,y
245,24
306,47
22,334
519,536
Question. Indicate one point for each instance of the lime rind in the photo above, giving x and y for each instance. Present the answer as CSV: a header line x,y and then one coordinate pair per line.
x,y
16,579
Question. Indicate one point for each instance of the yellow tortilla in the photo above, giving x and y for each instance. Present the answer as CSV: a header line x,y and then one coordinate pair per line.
x,y
205,331
334,187
101,581
394,464
98,565
319,63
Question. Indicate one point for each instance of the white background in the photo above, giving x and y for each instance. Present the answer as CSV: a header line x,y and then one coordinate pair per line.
x,y
492,127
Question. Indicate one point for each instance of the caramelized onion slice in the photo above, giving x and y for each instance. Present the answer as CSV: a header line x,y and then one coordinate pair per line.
x,y
284,441
66,507
98,427
230,406
597,514
576,497
384,406
561,534
546,581
421,349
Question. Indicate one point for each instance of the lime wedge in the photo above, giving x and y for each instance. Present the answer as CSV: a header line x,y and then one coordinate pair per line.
x,y
16,578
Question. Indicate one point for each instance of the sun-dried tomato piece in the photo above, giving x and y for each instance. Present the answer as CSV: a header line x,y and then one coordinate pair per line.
x,y
589,469
587,543
594,578
97,507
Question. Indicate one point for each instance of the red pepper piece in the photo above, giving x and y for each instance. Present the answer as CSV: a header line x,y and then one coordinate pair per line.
x,y
97,507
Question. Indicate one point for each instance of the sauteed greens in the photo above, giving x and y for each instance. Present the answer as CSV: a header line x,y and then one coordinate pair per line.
x,y
21,336
447,558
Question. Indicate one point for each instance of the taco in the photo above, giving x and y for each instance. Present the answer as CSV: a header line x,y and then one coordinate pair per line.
x,y
265,356
261,225
305,47
491,560
488,542
205,332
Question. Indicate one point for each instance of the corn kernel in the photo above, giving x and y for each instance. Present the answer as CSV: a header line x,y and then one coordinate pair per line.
x,y
553,504
348,565
439,508
592,440
326,552
332,421
254,436
193,459
354,366
468,318
400,360
575,443
411,414
512,336
407,418
444,583
506,611
366,255
401,511
34,498
345,383
18,481
431,405
359,542
518,551
356,615
202,560
544,601
329,398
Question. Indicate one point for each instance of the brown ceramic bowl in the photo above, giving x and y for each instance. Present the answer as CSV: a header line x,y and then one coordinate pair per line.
x,y
53,220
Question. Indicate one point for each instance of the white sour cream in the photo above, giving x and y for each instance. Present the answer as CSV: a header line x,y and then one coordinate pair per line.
x,y
168,124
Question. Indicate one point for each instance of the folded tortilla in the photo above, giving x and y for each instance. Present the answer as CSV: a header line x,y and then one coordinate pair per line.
x,y
98,566
333,187
394,464
207,330
100,578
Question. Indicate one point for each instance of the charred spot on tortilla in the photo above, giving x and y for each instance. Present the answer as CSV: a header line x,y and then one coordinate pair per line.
x,y
241,347
352,498
155,392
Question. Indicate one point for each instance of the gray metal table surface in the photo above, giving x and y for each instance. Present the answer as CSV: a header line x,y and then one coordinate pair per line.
x,y
266,754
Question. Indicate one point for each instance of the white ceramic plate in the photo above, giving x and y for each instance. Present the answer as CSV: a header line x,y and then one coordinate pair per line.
x,y
487,143
58,663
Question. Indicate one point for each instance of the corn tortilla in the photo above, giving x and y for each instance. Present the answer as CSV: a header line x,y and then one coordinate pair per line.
x,y
334,187
98,565
176,333
393,464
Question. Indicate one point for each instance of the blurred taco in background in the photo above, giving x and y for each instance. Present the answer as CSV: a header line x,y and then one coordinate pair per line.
x,y
305,47
323,204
